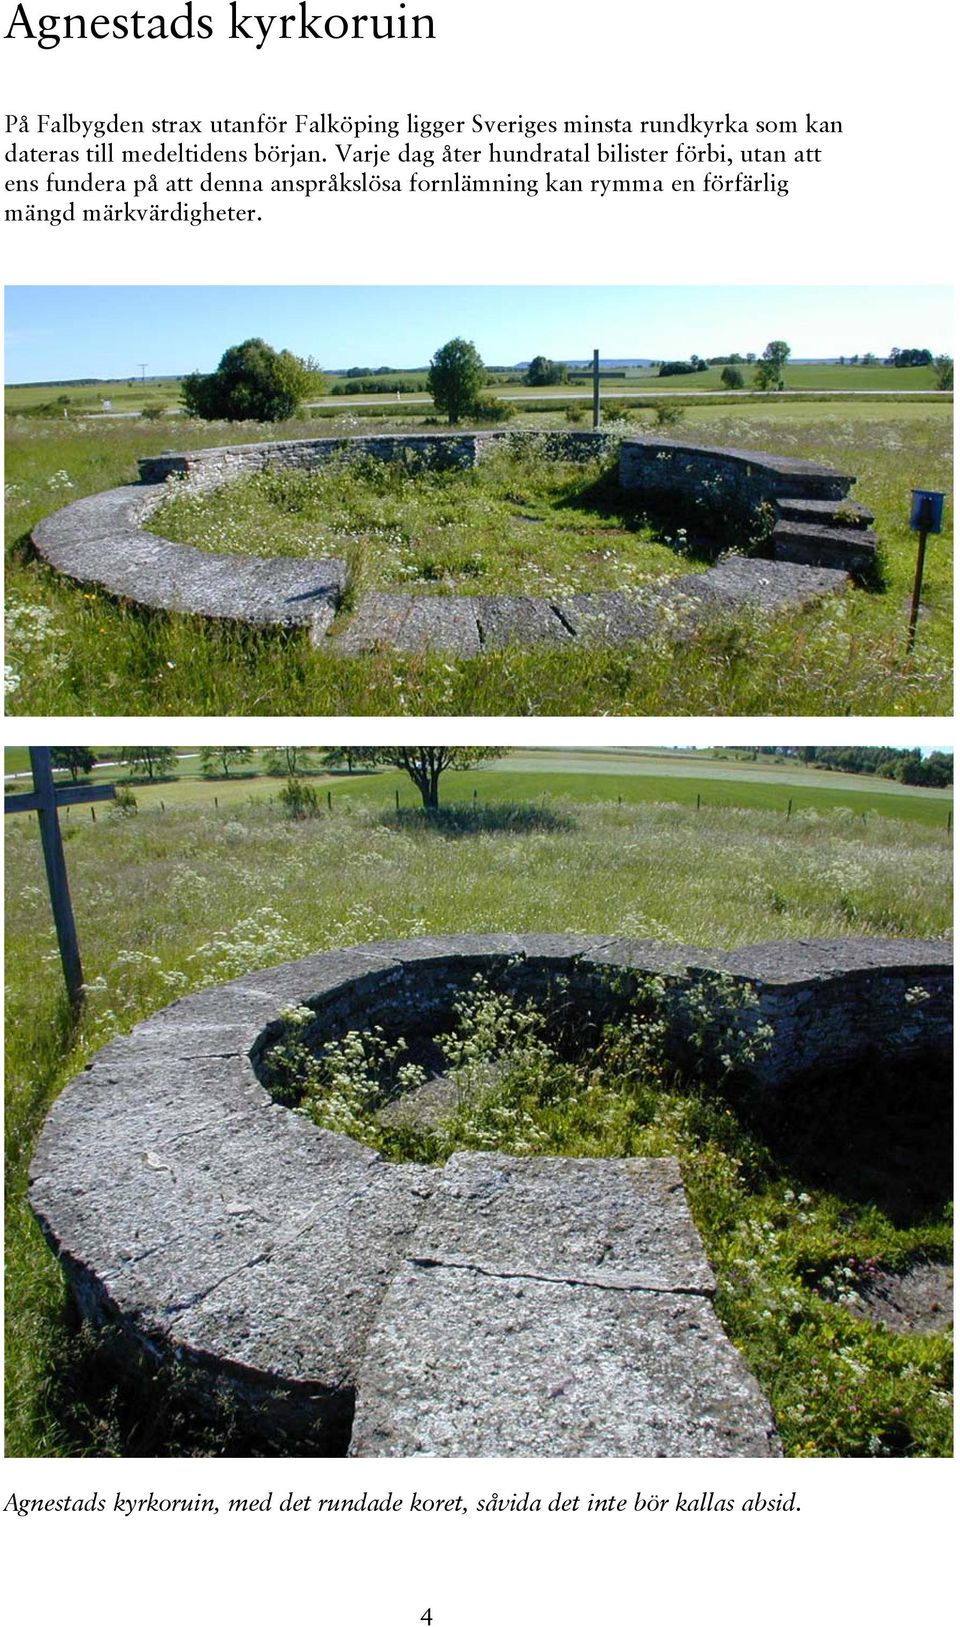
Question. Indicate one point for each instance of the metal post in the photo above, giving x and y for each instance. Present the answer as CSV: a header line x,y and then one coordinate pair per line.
x,y
596,389
917,586
57,873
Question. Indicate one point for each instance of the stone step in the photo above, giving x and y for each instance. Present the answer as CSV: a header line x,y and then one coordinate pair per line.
x,y
843,549
819,511
812,484
556,1307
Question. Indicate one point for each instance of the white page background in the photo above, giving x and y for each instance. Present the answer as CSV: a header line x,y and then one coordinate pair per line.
x,y
871,1540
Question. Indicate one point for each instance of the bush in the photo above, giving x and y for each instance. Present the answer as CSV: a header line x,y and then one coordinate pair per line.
x,y
573,412
669,412
494,412
732,378
252,381
943,371
124,803
299,801
151,414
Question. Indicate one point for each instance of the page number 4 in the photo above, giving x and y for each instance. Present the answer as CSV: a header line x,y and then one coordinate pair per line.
x,y
427,1617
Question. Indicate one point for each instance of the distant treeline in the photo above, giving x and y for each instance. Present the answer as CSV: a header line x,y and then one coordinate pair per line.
x,y
890,762
378,386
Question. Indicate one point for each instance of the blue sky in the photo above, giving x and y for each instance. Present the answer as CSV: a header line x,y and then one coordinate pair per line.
x,y
72,332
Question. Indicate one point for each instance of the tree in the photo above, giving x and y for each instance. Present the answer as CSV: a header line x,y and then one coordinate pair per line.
x,y
221,759
154,761
425,765
352,757
943,372
769,373
732,378
252,380
288,761
456,377
543,371
77,759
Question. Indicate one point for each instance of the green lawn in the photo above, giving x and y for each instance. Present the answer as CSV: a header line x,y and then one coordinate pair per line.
x,y
75,652
171,901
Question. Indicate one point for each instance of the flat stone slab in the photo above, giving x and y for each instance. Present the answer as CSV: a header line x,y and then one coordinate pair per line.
x,y
675,608
519,619
407,622
98,540
610,1222
556,1308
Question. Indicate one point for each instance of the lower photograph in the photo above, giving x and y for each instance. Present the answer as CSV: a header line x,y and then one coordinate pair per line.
x,y
438,1101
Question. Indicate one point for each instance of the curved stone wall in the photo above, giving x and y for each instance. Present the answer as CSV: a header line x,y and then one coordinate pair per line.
x,y
204,1221
817,540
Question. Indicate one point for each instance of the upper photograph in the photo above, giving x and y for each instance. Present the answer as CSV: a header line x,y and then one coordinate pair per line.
x,y
478,501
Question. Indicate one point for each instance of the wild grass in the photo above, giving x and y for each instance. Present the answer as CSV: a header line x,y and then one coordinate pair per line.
x,y
76,652
519,522
168,902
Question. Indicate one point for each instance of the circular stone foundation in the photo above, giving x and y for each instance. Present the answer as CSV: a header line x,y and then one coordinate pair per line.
x,y
818,539
538,1306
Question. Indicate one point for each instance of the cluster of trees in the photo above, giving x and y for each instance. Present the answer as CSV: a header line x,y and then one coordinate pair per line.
x,y
368,385
544,371
942,365
667,370
252,381
425,765
890,762
910,358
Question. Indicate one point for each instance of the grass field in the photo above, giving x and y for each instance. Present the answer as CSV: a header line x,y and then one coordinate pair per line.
x,y
168,901
77,652
124,395
629,779
132,395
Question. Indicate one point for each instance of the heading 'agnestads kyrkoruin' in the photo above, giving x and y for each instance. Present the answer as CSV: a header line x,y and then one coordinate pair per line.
x,y
48,30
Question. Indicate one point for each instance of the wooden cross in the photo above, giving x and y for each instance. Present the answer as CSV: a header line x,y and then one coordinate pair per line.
x,y
45,799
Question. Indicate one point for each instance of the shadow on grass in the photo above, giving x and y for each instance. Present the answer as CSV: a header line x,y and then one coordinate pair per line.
x,y
21,550
606,499
109,1404
480,818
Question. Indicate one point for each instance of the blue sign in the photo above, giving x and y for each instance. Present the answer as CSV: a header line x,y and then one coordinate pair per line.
x,y
926,511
